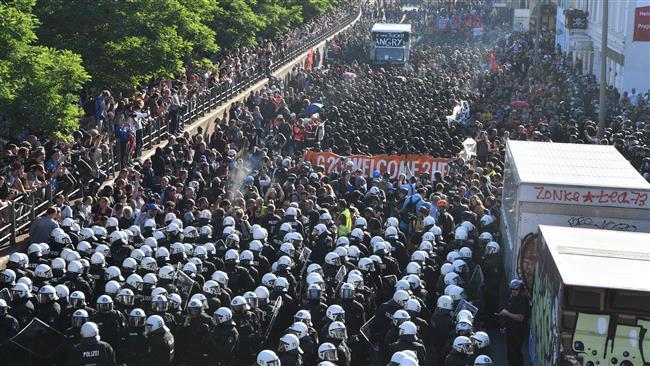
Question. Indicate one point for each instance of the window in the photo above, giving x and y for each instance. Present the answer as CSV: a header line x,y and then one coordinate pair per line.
x,y
389,54
634,301
584,298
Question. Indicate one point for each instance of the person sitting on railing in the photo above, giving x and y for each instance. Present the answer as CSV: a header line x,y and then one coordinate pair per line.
x,y
15,178
36,179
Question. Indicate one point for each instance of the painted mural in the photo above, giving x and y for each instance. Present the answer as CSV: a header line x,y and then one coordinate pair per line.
x,y
544,327
598,339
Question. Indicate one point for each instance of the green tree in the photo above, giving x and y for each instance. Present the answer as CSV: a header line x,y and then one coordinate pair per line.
x,y
280,15
38,85
236,23
125,43
312,8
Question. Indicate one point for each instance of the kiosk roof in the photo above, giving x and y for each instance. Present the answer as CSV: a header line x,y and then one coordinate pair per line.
x,y
600,258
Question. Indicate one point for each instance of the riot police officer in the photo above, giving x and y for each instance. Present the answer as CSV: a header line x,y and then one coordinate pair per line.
x,y
133,343
195,334
408,340
48,310
22,307
250,333
91,350
9,327
160,350
289,349
225,337
442,323
109,320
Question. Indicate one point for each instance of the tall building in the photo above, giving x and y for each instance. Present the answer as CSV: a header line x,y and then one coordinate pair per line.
x,y
579,28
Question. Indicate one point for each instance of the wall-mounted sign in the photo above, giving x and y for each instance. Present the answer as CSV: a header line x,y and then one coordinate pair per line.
x,y
642,24
576,19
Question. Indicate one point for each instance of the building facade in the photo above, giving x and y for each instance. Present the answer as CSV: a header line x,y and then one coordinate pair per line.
x,y
628,50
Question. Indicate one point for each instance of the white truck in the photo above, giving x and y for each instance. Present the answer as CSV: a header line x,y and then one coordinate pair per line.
x,y
590,298
575,185
391,43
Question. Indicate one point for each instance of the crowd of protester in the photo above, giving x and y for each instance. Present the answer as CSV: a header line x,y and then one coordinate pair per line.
x,y
229,248
115,124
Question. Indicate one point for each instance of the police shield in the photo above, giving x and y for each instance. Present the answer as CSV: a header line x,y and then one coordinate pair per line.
x,y
340,275
475,286
39,339
365,331
274,315
465,305
306,253
5,295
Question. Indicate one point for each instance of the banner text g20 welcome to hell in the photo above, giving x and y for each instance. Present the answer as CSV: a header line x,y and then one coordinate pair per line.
x,y
412,164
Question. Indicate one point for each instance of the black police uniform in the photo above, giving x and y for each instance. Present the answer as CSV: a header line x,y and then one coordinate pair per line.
x,y
250,335
442,324
50,314
355,316
133,344
225,340
195,337
291,358
516,331
383,320
23,310
92,352
455,358
408,342
160,350
110,324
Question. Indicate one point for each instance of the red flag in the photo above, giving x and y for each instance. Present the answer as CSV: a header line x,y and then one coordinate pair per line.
x,y
493,62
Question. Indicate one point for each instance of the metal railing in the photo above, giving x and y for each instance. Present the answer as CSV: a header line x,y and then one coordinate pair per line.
x,y
17,216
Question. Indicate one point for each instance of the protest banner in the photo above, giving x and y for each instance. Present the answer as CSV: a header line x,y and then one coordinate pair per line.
x,y
412,164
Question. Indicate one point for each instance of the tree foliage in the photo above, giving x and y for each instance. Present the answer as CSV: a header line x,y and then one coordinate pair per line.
x,y
125,43
312,8
279,15
50,49
38,85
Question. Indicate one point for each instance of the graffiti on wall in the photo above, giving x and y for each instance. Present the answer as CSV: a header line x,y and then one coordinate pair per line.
x,y
597,223
600,340
544,335
528,258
